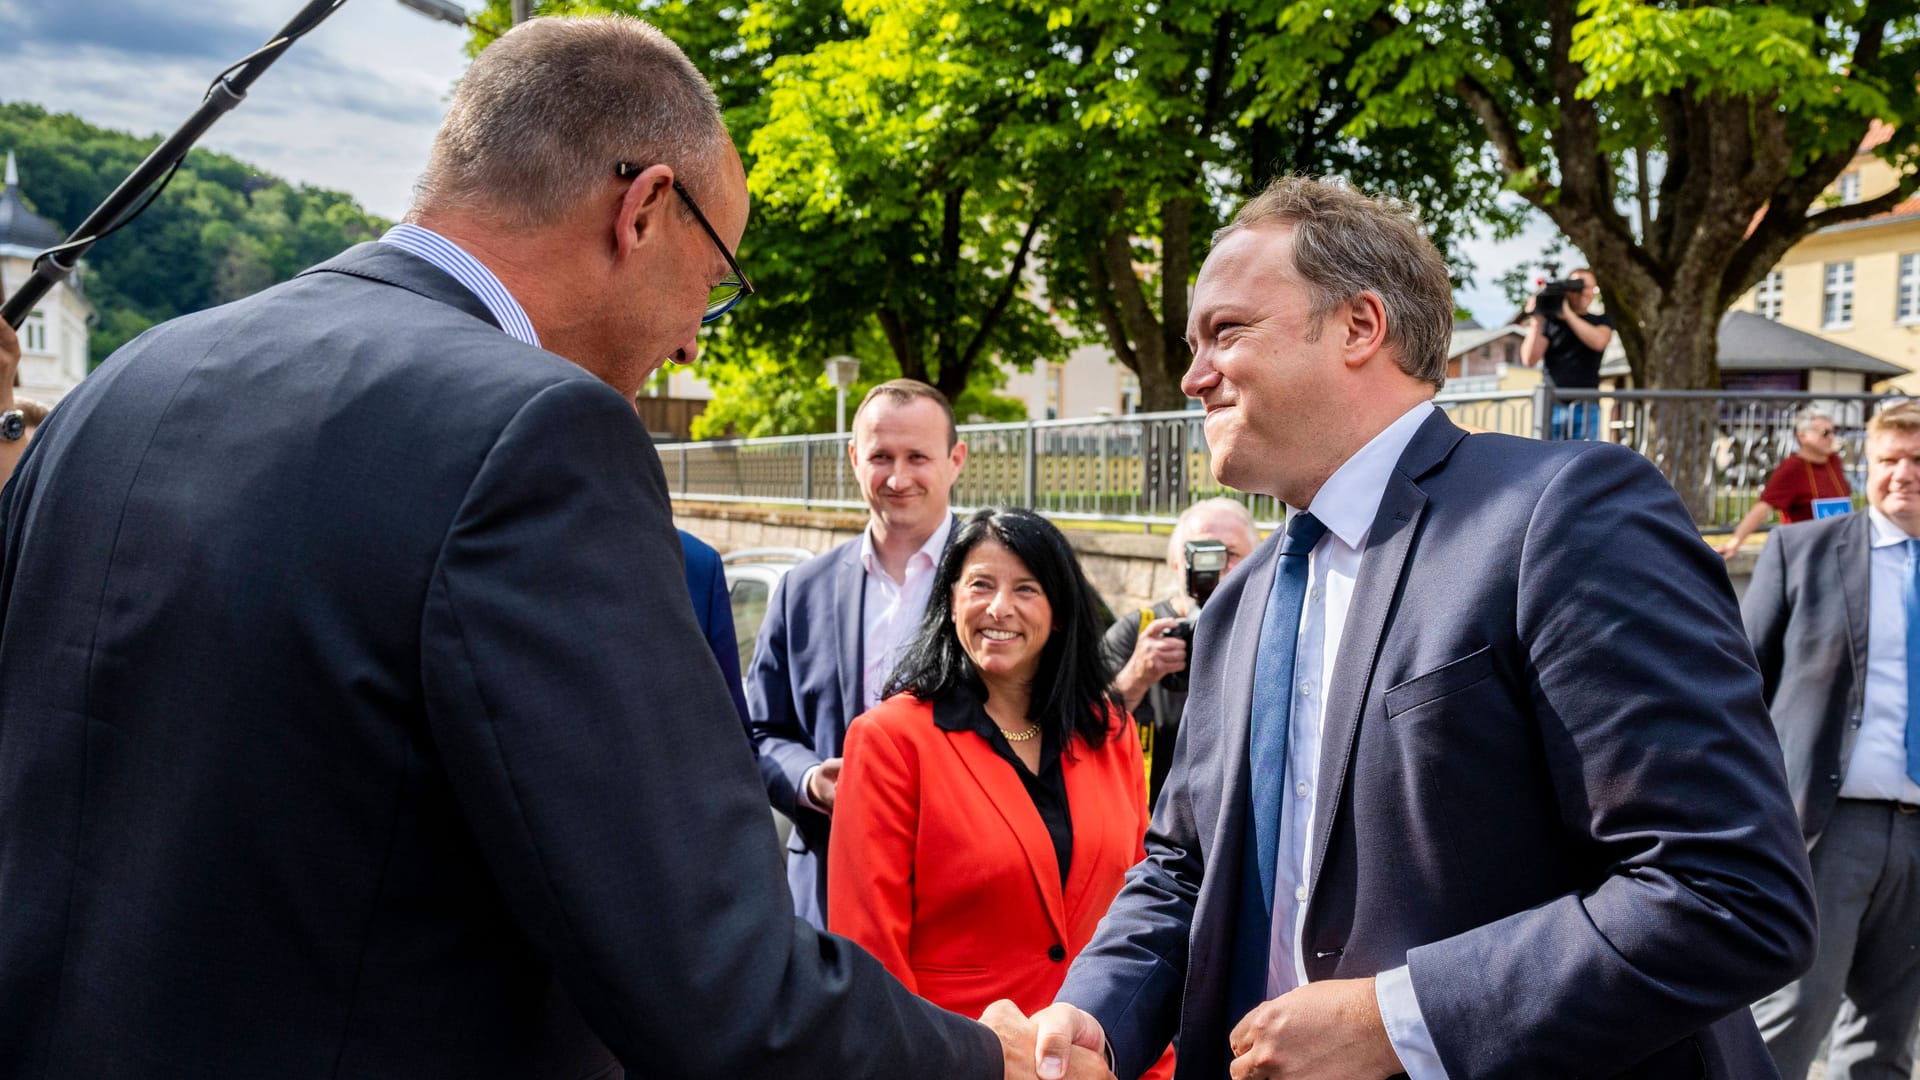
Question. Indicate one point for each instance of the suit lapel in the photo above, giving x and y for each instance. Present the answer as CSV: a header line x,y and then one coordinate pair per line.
x,y
1853,561
1382,567
849,608
1235,712
1015,807
1087,800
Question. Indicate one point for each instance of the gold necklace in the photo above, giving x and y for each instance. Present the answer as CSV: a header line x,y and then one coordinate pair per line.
x,y
1032,732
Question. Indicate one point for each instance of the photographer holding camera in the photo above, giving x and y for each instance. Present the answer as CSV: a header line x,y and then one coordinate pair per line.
x,y
1148,649
1570,340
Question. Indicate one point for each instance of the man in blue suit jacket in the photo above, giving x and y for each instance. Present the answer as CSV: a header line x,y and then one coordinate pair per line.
x,y
1527,815
836,624
713,610
353,717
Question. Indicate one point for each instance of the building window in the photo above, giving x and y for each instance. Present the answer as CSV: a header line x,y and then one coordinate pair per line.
x,y
1849,188
33,333
1129,395
1766,298
1836,312
1907,308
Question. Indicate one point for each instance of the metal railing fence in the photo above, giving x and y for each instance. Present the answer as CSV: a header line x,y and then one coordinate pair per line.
x,y
1718,448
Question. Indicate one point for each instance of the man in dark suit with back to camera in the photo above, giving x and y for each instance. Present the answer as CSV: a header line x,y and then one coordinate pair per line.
x,y
1475,779
353,716
1834,615
837,623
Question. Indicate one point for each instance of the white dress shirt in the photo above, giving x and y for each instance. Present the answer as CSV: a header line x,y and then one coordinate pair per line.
x,y
893,609
1878,767
469,271
1346,504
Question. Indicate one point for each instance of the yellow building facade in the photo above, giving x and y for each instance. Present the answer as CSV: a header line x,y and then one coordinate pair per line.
x,y
1856,284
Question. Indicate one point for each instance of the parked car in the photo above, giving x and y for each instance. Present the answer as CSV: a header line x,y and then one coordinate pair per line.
x,y
751,575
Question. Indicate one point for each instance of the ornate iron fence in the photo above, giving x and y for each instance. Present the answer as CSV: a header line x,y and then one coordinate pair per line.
x,y
1717,448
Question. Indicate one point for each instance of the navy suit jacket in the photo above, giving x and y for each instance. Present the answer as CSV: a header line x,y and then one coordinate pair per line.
x,y
336,629
1806,612
1547,784
713,610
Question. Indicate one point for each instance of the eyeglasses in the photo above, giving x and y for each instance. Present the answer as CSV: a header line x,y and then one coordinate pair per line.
x,y
734,287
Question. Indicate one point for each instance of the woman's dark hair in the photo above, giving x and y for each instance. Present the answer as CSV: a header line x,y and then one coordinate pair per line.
x,y
1070,694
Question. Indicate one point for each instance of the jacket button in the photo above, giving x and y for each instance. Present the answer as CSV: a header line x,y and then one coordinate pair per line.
x,y
1056,954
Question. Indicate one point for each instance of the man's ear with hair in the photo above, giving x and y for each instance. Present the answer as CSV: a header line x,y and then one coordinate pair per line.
x,y
643,209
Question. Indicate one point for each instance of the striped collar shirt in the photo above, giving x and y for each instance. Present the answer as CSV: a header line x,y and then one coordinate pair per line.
x,y
467,270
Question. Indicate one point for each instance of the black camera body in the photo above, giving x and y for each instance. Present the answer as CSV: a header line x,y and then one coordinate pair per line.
x,y
1206,560
1553,295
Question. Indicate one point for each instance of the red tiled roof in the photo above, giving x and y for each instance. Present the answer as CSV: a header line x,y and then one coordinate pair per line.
x,y
1877,135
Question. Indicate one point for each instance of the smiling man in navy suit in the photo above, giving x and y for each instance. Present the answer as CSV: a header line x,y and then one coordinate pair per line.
x,y
836,624
1475,780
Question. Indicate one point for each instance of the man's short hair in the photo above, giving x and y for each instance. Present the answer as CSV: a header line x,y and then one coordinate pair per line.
x,y
546,111
1806,418
33,412
1346,243
901,391
1177,539
1901,416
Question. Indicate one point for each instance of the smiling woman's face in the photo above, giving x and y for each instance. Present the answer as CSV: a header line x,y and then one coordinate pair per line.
x,y
1001,615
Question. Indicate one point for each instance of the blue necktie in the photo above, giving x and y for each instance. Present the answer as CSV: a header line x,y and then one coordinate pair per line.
x,y
1273,691
1911,595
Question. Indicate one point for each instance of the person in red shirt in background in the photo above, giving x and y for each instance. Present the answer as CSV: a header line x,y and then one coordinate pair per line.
x,y
1809,484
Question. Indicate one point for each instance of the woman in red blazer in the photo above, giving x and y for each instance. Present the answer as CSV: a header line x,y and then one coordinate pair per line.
x,y
990,807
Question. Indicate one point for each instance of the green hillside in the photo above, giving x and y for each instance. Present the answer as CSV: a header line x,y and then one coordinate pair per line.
x,y
222,230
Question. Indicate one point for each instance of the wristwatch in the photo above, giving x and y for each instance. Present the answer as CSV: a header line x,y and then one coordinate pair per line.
x,y
13,425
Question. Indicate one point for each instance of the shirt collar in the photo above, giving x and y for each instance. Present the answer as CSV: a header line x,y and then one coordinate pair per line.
x,y
935,546
1885,532
458,264
1348,501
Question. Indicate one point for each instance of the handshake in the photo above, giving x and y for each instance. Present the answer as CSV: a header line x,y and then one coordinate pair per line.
x,y
1059,1042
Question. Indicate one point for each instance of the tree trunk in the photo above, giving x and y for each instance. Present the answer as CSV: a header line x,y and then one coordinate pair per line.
x,y
1677,339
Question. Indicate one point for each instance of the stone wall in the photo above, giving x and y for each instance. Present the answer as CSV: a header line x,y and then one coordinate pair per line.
x,y
1129,568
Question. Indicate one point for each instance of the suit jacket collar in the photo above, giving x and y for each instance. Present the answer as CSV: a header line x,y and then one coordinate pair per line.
x,y
390,265
1384,564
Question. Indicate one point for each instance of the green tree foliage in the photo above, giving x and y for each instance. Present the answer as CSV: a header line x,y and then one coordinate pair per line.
x,y
1683,147
940,184
222,229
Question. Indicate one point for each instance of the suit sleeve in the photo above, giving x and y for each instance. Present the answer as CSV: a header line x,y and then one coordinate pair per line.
x,y
1668,776
1133,972
721,640
870,865
597,758
1765,611
779,735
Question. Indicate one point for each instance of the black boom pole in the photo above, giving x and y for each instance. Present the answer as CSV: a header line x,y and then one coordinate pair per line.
x,y
54,264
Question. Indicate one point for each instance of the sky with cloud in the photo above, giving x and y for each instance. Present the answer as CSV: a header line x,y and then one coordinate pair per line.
x,y
352,106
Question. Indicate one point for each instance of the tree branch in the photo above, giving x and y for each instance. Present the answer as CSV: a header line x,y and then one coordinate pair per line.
x,y
1008,288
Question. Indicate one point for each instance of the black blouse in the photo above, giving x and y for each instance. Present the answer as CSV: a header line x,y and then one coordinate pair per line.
x,y
962,710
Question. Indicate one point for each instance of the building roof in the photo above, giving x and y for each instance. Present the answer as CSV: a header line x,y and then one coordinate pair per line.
x,y
1752,342
19,226
1465,340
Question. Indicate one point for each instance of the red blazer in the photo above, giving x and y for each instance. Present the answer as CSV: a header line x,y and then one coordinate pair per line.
x,y
940,865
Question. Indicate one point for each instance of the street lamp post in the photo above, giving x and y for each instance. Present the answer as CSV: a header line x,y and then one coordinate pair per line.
x,y
841,373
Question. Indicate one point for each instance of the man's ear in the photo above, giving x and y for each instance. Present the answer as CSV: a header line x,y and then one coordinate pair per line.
x,y
1362,327
643,209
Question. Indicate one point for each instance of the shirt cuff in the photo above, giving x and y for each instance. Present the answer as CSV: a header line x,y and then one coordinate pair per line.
x,y
1406,1027
800,797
